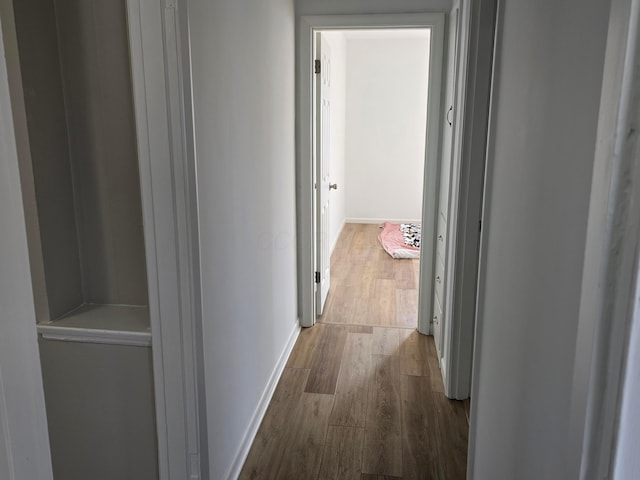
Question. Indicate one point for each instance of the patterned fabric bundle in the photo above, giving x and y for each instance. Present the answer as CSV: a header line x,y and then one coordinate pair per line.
x,y
411,234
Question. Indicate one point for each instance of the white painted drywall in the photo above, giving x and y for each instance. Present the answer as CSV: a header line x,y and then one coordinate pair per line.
x,y
548,81
386,116
337,211
24,448
20,126
243,90
334,7
81,150
45,159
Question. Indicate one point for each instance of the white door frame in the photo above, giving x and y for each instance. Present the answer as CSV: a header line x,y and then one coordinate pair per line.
x,y
612,255
305,157
477,30
160,64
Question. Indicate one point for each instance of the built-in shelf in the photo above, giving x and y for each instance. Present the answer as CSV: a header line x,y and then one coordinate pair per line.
x,y
107,324
83,212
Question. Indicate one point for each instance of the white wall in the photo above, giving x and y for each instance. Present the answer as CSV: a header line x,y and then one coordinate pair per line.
x,y
24,444
337,208
243,88
548,76
360,162
387,80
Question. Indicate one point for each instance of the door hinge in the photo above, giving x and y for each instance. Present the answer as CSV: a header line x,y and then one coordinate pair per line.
x,y
316,66
480,225
317,277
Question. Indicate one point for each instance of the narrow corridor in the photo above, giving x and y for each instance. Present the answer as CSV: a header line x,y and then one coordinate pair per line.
x,y
360,399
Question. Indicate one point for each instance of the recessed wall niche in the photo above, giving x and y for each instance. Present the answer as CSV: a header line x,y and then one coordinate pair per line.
x,y
74,60
81,191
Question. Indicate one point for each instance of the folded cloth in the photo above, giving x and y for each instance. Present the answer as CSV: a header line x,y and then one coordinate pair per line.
x,y
392,241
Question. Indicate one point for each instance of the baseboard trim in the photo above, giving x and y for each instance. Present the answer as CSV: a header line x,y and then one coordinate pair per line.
x,y
382,220
256,419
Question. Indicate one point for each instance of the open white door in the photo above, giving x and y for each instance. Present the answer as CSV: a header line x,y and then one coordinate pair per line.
x,y
323,123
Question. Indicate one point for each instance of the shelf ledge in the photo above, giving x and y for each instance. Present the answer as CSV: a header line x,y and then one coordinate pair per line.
x,y
86,335
107,324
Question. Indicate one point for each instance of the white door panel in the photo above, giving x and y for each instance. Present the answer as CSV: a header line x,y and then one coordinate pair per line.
x,y
323,149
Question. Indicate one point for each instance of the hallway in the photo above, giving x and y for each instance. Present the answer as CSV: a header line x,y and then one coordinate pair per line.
x,y
359,401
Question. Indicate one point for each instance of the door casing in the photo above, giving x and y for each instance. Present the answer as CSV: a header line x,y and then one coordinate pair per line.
x,y
160,67
305,157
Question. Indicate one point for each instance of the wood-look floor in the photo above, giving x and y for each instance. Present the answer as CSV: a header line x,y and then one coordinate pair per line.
x,y
368,287
359,399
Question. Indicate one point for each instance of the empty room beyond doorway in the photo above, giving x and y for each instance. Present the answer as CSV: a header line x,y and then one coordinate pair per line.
x,y
371,139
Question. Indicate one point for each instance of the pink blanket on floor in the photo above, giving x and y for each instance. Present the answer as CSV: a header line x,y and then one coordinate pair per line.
x,y
392,241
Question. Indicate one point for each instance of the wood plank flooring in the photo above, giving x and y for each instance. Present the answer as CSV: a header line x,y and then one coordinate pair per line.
x,y
368,287
361,396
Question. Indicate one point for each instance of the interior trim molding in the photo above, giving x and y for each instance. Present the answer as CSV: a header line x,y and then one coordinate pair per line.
x,y
86,335
159,45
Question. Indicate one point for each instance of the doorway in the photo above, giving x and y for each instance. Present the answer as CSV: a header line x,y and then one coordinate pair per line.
x,y
450,215
371,110
306,148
